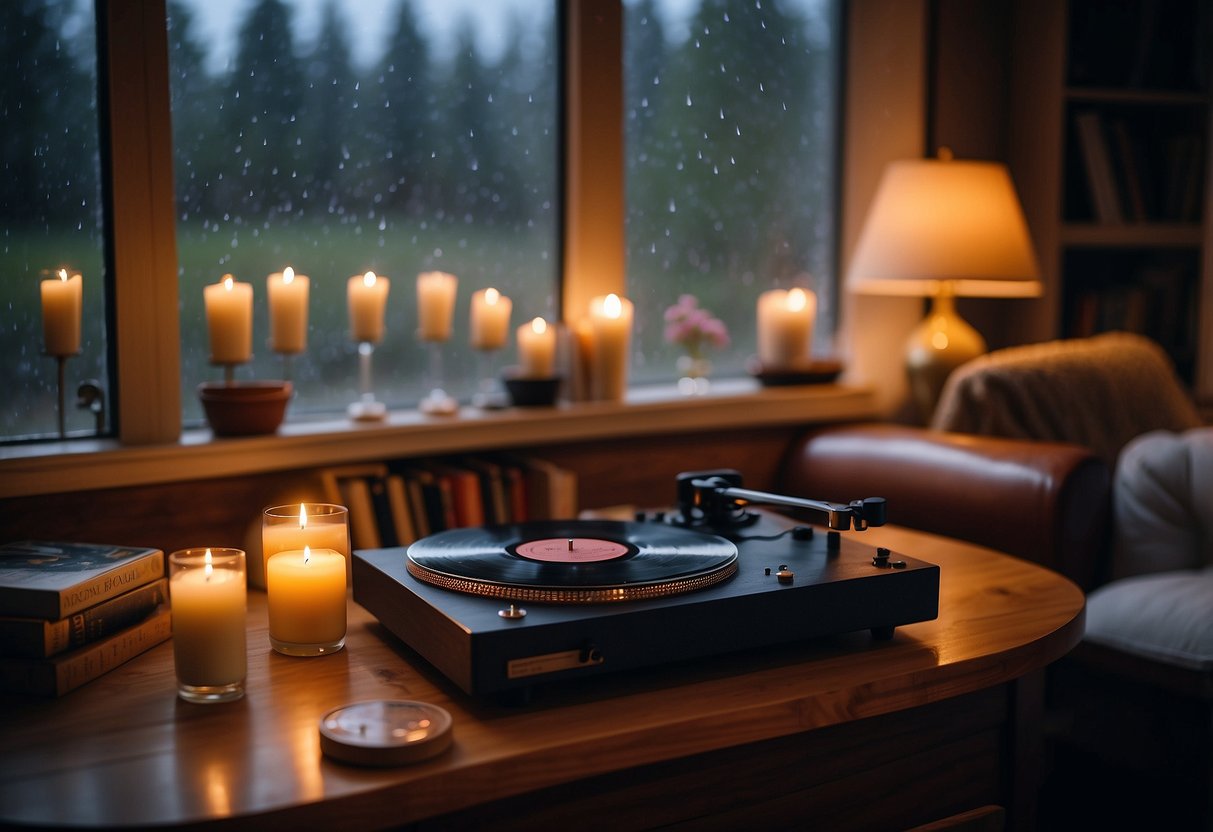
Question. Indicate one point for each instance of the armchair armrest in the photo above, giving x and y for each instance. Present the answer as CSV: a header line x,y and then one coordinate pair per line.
x,y
1047,502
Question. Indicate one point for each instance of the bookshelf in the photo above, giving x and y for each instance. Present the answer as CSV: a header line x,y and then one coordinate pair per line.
x,y
1119,204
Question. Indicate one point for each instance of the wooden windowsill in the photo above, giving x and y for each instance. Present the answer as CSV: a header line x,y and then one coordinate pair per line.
x,y
731,404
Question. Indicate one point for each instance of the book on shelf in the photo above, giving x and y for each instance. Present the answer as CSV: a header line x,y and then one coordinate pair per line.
x,y
52,580
1097,162
40,638
57,675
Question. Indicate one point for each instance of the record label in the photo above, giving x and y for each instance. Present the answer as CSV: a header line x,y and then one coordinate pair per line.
x,y
571,550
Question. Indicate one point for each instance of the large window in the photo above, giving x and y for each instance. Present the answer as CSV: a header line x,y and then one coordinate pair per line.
x,y
338,137
50,218
344,137
730,117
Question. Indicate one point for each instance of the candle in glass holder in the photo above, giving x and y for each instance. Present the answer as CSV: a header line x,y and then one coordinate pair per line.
x,y
61,303
229,320
785,327
208,596
318,525
536,349
490,321
288,297
610,346
305,593
366,297
435,305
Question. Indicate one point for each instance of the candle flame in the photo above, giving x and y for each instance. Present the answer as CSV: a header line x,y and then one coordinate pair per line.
x,y
491,296
228,282
539,326
612,307
209,567
368,279
302,516
63,274
307,553
288,275
797,299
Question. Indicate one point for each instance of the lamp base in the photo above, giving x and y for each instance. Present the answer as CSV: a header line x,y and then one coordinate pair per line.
x,y
936,347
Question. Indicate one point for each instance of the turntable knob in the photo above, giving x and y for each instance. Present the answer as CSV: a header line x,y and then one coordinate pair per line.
x,y
513,612
785,575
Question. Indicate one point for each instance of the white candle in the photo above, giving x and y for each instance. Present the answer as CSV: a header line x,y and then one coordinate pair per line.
x,y
306,596
536,349
490,319
229,319
610,346
435,305
785,326
209,604
366,295
288,293
61,313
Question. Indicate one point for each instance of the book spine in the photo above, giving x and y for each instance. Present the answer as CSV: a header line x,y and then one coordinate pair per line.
x,y
36,638
61,674
137,573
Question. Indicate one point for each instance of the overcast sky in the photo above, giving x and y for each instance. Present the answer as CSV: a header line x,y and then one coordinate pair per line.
x,y
370,21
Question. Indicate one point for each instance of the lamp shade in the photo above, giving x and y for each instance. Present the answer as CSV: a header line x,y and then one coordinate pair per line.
x,y
939,220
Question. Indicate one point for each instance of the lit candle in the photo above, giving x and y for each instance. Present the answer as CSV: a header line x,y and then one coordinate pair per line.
x,y
366,295
61,313
209,602
288,293
610,346
281,531
229,319
536,349
305,591
435,305
785,326
490,319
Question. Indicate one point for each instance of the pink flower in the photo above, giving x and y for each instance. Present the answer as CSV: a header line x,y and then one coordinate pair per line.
x,y
692,327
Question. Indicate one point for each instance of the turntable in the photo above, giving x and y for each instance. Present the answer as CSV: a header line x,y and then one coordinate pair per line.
x,y
503,608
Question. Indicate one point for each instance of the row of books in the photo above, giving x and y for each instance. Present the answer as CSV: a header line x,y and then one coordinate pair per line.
x,y
70,612
1139,176
396,503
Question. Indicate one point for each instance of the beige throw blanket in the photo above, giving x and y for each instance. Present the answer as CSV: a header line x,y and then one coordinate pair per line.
x,y
1099,392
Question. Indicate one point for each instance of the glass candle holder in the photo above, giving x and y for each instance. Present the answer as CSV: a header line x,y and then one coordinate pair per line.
x,y
209,600
306,549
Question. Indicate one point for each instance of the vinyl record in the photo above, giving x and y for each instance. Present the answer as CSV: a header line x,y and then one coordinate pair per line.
x,y
574,561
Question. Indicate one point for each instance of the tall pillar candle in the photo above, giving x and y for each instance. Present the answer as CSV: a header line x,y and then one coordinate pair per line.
x,y
785,327
209,601
61,303
229,320
366,296
305,593
490,319
288,297
435,305
610,346
318,525
536,349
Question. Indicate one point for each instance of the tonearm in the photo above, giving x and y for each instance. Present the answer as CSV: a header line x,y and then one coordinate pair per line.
x,y
716,499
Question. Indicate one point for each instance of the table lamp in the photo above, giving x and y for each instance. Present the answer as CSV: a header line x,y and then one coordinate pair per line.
x,y
943,228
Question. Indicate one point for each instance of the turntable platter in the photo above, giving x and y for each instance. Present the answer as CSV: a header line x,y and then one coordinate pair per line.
x,y
578,561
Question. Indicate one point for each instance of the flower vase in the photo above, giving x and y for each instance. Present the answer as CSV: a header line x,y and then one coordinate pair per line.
x,y
693,374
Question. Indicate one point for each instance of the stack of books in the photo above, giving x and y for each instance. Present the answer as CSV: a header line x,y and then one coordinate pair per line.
x,y
70,612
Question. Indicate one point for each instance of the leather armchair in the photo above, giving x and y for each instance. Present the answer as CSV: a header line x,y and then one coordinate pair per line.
x,y
1047,502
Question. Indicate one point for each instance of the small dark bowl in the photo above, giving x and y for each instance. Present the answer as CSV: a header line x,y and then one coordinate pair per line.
x,y
244,408
820,371
533,392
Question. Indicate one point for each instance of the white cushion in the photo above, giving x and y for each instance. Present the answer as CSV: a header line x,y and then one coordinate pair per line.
x,y
1163,503
1167,617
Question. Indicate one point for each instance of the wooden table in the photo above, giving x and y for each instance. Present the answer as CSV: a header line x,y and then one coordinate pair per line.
x,y
847,731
